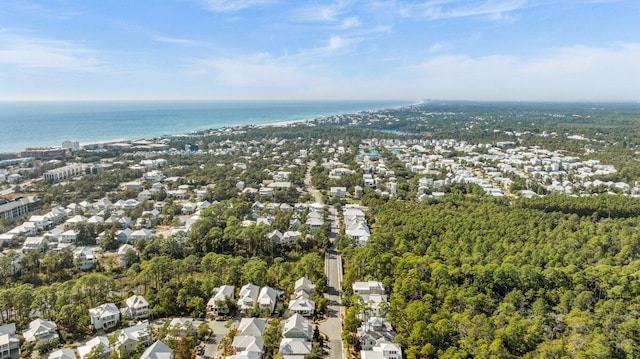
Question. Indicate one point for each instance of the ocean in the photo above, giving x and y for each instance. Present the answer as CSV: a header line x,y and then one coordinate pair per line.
x,y
34,124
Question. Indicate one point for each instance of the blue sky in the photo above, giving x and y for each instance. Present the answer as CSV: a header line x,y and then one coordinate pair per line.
x,y
543,50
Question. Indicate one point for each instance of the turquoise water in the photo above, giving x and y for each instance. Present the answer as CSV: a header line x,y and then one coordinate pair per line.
x,y
29,124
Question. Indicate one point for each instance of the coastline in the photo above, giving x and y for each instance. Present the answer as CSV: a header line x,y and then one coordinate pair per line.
x,y
224,126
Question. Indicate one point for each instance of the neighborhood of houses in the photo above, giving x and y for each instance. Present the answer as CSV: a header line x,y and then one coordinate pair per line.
x,y
432,165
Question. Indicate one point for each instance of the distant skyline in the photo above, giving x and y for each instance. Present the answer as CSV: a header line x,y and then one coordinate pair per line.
x,y
487,50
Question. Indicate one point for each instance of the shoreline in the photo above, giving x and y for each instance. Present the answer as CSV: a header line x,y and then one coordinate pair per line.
x,y
209,130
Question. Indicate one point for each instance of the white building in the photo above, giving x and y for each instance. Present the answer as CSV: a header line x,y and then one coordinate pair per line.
x,y
105,316
136,307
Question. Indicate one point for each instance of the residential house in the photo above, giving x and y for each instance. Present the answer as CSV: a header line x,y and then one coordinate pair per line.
x,y
105,316
103,204
252,326
130,337
217,305
35,244
7,238
275,237
73,221
15,258
56,215
136,307
367,288
294,222
64,353
295,346
290,237
297,326
133,186
141,234
130,204
374,332
157,350
375,305
304,285
257,206
9,342
359,232
315,220
95,220
144,195
84,258
69,236
303,306
383,351
339,192
41,222
248,297
245,355
249,343
101,345
267,300
188,208
122,254
123,235
40,329
266,192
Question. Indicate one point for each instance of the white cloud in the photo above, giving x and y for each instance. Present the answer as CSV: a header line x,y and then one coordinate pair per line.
x,y
232,5
177,41
322,13
440,47
447,9
571,73
32,52
260,70
350,22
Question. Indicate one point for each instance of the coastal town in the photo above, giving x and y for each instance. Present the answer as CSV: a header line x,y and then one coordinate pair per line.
x,y
227,243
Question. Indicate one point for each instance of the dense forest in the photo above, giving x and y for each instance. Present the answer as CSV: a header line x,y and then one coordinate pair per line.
x,y
478,277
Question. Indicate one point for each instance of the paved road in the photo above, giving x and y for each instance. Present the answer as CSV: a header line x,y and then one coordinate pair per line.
x,y
307,182
332,327
219,331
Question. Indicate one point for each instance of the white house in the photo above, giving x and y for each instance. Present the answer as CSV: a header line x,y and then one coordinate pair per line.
x,y
249,343
35,244
157,350
40,329
359,232
136,307
304,285
69,236
140,234
217,304
339,192
84,258
122,254
267,299
374,332
129,337
101,343
248,296
297,326
367,288
295,346
105,316
383,351
303,306
290,237
252,326
9,342
64,353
